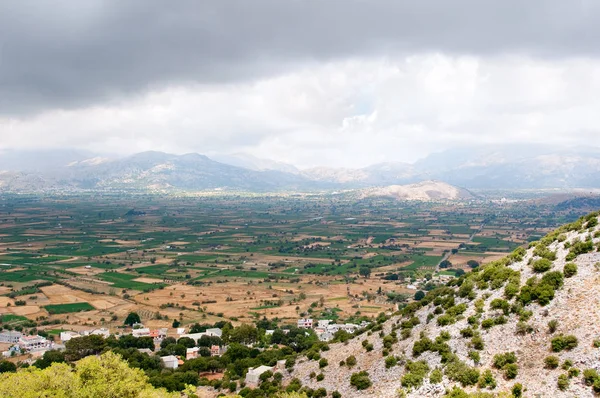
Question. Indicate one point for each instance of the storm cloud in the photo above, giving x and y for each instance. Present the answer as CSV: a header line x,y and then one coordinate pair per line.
x,y
321,78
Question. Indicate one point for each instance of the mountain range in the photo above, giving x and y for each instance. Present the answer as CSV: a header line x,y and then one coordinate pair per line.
x,y
486,167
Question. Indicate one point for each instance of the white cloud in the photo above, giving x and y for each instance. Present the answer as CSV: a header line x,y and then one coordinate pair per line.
x,y
345,113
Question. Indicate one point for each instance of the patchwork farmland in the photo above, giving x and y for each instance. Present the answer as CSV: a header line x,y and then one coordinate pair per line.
x,y
82,261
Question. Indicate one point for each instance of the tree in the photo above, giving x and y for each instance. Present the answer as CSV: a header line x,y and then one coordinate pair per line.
x,y
176,323
7,366
473,263
186,342
104,376
49,357
419,295
80,347
244,334
446,264
132,318
364,271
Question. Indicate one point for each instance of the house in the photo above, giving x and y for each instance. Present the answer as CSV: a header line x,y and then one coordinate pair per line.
x,y
323,323
141,332
68,335
216,350
170,361
33,343
159,334
214,332
305,323
14,350
192,353
97,332
253,375
9,336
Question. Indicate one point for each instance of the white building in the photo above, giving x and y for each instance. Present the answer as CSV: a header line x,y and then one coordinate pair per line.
x,y
68,335
141,332
253,375
10,336
170,361
305,323
33,343
215,332
97,332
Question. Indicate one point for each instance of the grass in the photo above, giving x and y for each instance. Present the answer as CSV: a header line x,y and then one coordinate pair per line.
x,y
68,308
11,318
421,260
125,281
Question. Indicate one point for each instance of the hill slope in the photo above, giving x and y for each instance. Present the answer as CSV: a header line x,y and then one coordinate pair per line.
x,y
465,328
425,191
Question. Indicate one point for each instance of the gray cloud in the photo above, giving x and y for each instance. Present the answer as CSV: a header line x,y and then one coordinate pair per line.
x,y
73,54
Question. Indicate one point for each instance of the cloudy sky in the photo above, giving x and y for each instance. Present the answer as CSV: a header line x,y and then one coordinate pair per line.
x,y
309,82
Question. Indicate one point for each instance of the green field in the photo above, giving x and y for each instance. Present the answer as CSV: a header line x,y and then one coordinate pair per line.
x,y
68,308
125,281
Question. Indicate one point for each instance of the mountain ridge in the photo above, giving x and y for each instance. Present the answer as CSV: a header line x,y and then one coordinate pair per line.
x,y
482,168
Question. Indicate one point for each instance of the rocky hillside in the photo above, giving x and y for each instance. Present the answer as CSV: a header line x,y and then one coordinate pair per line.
x,y
424,191
526,325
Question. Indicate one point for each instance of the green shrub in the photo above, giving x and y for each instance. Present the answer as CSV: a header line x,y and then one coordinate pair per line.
x,y
421,346
487,323
486,380
551,362
570,270
543,251
578,248
415,374
323,362
554,279
567,364
500,360
573,372
541,265
562,342
590,376
474,355
511,370
320,377
552,325
499,304
390,362
351,361
477,343
563,382
517,390
462,373
511,290
360,380
467,332
436,376
444,320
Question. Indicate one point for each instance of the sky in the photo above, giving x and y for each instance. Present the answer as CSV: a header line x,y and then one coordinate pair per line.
x,y
341,83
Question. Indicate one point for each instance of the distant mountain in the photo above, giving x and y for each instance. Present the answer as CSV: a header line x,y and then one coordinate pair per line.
x,y
423,191
515,167
487,167
155,171
254,163
484,167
